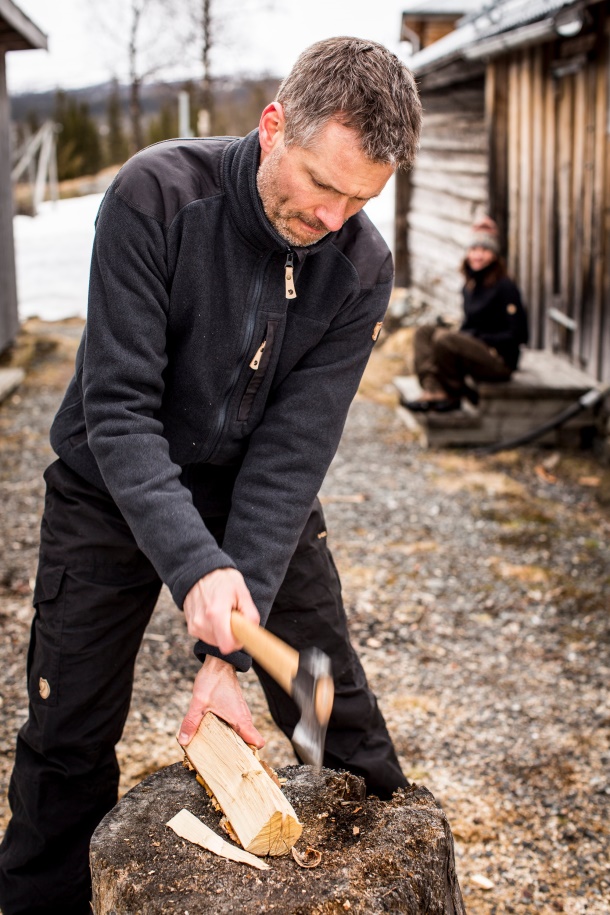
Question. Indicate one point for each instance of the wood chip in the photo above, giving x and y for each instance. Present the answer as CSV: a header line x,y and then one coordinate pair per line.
x,y
311,857
481,881
589,481
544,474
193,830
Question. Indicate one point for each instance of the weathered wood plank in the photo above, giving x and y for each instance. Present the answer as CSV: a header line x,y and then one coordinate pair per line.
x,y
438,203
513,168
604,362
525,173
449,233
575,304
467,187
549,230
463,99
564,179
403,201
473,164
461,120
455,143
446,281
537,191
599,191
496,115
588,204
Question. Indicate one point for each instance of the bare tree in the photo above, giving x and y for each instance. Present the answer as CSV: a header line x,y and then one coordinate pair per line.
x,y
209,22
207,98
145,38
150,38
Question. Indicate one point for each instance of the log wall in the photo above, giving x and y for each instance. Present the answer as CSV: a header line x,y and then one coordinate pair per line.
x,y
556,188
448,188
529,142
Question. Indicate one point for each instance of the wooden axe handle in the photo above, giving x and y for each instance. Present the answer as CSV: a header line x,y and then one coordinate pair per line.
x,y
279,659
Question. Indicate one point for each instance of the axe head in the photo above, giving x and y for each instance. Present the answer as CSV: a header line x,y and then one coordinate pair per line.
x,y
313,691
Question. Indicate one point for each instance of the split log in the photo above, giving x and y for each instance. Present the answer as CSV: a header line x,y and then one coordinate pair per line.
x,y
256,810
374,856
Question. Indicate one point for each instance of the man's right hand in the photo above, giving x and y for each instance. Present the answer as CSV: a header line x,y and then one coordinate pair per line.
x,y
208,606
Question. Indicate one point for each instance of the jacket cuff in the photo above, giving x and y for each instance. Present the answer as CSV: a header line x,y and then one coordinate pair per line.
x,y
239,659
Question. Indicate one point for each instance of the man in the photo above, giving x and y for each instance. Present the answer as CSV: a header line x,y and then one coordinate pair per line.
x,y
236,291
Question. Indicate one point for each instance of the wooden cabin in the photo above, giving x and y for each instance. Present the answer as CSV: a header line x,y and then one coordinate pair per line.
x,y
426,21
17,33
517,124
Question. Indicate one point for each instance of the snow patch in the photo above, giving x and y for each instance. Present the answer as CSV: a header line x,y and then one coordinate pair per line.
x,y
53,254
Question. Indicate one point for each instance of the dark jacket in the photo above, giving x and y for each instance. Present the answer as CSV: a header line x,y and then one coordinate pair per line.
x,y
187,282
494,313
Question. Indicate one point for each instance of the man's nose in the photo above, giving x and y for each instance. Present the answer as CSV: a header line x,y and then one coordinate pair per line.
x,y
332,215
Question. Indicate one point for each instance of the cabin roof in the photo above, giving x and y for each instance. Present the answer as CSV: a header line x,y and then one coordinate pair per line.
x,y
17,31
484,32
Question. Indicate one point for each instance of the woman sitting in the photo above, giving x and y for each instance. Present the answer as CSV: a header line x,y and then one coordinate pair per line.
x,y
487,345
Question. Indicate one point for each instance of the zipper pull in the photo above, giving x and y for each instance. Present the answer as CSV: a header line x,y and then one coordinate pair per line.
x,y
258,355
289,271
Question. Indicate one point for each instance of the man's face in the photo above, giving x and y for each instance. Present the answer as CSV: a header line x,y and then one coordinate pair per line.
x,y
307,193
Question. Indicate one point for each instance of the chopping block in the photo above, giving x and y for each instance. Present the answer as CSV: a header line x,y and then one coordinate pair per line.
x,y
356,854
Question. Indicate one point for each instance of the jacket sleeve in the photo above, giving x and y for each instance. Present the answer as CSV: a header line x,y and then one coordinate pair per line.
x,y
124,359
290,451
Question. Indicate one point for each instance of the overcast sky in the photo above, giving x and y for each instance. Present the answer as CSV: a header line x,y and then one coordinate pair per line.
x,y
267,40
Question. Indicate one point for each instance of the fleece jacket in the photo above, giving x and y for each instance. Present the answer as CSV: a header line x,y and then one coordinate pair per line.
x,y
197,356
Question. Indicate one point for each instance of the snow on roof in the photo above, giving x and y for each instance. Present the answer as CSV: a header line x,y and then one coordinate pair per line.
x,y
441,7
491,19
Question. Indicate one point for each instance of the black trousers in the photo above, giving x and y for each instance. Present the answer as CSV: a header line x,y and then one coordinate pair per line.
x,y
95,593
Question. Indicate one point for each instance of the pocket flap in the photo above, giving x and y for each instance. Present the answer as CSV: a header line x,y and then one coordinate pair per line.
x,y
48,583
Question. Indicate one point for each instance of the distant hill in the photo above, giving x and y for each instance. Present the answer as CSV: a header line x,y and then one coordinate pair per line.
x,y
231,93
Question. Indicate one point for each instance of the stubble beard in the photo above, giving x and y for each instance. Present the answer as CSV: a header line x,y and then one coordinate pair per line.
x,y
274,203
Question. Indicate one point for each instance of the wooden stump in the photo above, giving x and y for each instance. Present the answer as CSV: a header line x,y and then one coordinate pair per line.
x,y
376,856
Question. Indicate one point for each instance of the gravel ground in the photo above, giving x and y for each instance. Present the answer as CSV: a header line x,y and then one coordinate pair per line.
x,y
477,591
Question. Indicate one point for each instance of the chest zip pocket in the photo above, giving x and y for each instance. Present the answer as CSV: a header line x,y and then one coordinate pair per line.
x,y
259,366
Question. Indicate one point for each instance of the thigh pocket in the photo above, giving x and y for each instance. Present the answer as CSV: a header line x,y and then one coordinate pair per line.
x,y
45,645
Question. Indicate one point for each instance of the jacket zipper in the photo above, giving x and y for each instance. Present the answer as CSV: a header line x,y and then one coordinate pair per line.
x,y
289,275
259,366
252,311
258,356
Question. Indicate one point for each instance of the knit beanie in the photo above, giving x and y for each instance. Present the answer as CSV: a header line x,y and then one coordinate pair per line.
x,y
484,234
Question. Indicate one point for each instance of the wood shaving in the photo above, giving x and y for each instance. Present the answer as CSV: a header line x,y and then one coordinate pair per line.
x,y
311,857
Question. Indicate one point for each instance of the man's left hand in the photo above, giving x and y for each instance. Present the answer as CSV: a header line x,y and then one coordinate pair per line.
x,y
217,690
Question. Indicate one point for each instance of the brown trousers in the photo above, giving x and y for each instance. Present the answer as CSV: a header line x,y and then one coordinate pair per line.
x,y
444,357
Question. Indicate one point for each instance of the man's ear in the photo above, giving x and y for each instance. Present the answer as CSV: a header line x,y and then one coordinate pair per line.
x,y
271,128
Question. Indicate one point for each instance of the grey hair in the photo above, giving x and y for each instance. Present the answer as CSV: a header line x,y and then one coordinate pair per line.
x,y
362,85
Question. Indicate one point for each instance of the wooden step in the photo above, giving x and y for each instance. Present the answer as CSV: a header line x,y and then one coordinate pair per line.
x,y
541,389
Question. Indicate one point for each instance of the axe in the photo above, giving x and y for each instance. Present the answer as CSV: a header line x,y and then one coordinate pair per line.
x,y
306,677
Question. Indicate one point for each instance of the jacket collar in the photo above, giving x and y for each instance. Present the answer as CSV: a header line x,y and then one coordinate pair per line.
x,y
239,168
